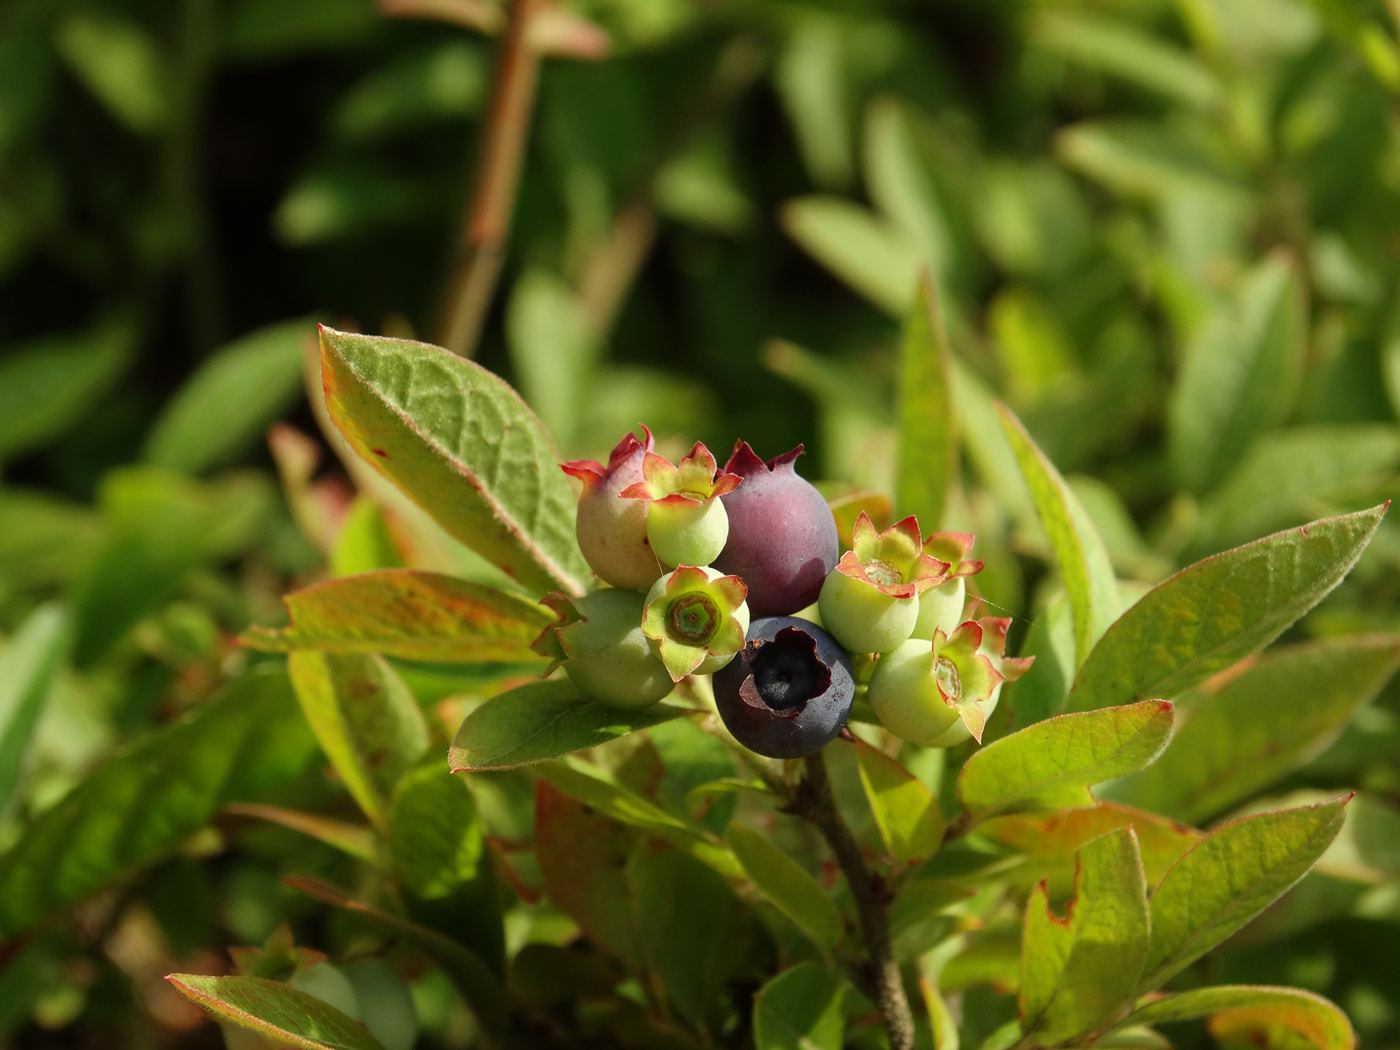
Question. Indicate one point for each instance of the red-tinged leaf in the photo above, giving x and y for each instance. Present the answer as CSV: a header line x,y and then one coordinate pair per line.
x,y
1237,1010
414,615
288,1017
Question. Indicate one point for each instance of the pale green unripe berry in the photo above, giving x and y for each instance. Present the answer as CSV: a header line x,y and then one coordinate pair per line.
x,y
905,697
940,608
699,623
609,658
862,617
687,533
958,732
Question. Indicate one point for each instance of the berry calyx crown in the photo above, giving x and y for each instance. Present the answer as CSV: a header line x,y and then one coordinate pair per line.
x,y
891,561
692,480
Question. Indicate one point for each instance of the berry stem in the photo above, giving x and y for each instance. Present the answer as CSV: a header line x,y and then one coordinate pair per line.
x,y
815,803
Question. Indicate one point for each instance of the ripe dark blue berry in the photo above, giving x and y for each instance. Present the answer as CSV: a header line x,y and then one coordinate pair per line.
x,y
782,536
788,691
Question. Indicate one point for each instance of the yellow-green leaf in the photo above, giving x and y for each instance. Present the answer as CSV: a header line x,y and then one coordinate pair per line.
x,y
927,424
277,1011
787,885
906,812
800,1009
1314,1018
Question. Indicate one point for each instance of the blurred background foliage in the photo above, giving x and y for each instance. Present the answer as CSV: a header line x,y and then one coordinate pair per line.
x,y
1167,232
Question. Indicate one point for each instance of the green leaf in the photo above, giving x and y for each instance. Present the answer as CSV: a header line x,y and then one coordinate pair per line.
x,y
1229,877
444,870
579,781
368,723
787,885
918,916
364,542
800,1009
1240,377
50,384
552,351
353,839
29,664
136,807
1078,972
1142,159
906,812
543,720
1079,553
117,61
859,247
1218,611
43,540
1052,763
1311,1016
899,185
220,412
277,1011
1240,737
928,450
810,77
460,442
472,977
413,615
1288,471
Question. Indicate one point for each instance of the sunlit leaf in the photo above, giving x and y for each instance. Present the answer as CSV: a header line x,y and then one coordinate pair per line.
x,y
927,425
906,812
276,1011
859,247
1311,1016
29,663
787,885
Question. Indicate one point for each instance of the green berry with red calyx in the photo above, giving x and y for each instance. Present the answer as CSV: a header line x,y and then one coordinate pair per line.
x,y
611,530
870,601
993,646
696,619
600,643
686,521
782,535
941,606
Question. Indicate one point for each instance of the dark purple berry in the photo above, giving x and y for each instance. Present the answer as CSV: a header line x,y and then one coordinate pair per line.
x,y
788,691
782,536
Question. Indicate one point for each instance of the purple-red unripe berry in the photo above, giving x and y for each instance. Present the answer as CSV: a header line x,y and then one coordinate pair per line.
x,y
782,535
788,691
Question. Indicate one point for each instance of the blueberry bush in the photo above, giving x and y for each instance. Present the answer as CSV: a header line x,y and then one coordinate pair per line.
x,y
1020,679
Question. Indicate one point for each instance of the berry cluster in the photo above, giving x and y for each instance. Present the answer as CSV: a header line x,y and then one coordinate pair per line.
x,y
692,552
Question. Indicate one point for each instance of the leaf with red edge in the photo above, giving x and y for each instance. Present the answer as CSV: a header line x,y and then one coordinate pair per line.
x,y
1237,1009
283,1014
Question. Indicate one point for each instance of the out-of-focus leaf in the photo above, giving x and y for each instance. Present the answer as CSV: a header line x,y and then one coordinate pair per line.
x,y
812,82
1031,217
940,1018
787,885
1079,553
1228,878
268,29
1282,475
413,615
928,442
276,1011
579,781
901,188
447,82
462,445
367,721
906,812
222,409
43,540
1052,763
1311,1016
342,201
1139,159
1040,693
800,1009
1220,610
700,187
1035,353
48,385
543,720
117,61
859,247
443,867
353,839
28,663
1240,737
1241,375
988,446
918,919
364,542
551,350
242,746
1079,971
1118,48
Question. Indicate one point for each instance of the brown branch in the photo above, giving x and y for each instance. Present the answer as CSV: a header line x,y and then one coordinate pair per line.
x,y
815,803
481,250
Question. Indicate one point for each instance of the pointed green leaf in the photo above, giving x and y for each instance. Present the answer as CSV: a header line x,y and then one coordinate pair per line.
x,y
863,249
1079,553
544,720
927,426
1311,1016
352,839
440,857
413,615
1218,611
1241,737
800,1009
460,442
1052,763
277,1011
241,746
787,885
1078,972
367,721
1229,877
906,812
472,977
28,665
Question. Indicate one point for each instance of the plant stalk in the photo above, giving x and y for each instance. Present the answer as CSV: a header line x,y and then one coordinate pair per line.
x,y
476,263
816,804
